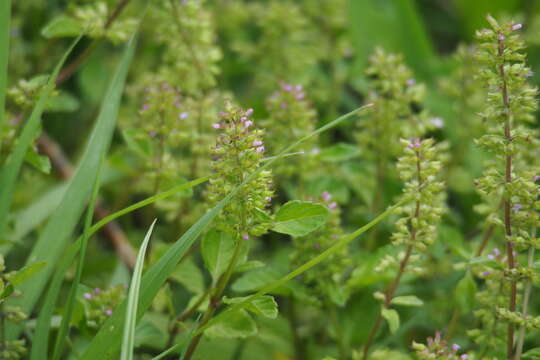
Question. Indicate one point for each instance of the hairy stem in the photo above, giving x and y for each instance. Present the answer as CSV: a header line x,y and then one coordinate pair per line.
x,y
507,200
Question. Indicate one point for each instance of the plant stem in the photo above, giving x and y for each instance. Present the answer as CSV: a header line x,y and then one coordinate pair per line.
x,y
507,200
214,300
299,348
526,298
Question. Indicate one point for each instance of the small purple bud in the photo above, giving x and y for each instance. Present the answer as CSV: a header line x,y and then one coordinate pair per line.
x,y
516,27
268,198
536,177
410,82
245,237
485,273
496,251
464,357
145,107
332,205
243,118
249,112
222,114
216,125
184,115
529,74
97,290
87,296
326,196
300,96
502,38
517,207
491,257
152,133
108,312
456,347
257,143
260,149
299,87
287,87
177,104
248,124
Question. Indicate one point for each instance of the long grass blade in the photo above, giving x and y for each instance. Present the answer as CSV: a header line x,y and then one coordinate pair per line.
x,y
12,167
51,243
343,241
107,341
41,337
5,17
128,341
63,332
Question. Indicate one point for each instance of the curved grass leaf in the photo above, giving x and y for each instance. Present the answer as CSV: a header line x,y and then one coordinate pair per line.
x,y
70,303
51,243
5,15
41,337
133,298
107,341
12,167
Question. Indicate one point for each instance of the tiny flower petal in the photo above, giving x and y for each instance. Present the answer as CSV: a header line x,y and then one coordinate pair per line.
x,y
249,112
183,115
332,205
87,296
456,347
260,149
216,125
257,143
245,237
517,27
108,312
326,196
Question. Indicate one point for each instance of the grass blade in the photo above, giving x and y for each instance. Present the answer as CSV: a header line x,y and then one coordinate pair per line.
x,y
106,342
52,241
66,318
10,170
306,266
128,341
41,337
5,16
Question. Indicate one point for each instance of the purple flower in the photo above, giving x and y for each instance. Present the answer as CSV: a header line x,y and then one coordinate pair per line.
x,y
222,114
502,38
248,124
456,347
152,133
464,357
287,87
216,125
260,149
300,96
517,207
516,27
529,74
184,115
491,257
485,273
496,251
87,296
245,237
177,104
249,112
415,143
536,177
243,118
145,107
326,196
410,82
97,290
268,198
108,312
257,143
332,205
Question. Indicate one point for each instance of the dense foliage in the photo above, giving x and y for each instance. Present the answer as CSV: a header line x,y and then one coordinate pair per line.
x,y
269,180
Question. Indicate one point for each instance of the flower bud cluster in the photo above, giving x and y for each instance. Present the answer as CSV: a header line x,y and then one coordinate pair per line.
x,y
99,304
438,349
238,152
419,167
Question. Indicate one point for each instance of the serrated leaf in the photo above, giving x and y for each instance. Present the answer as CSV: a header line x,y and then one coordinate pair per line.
x,y
408,300
340,152
237,325
217,250
26,273
62,26
466,292
392,317
299,218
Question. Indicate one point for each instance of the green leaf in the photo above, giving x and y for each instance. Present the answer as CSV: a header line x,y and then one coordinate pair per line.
x,y
408,300
63,102
139,146
340,152
5,33
41,337
40,162
128,341
265,305
25,273
217,248
52,240
299,218
239,325
10,170
466,292
249,265
392,317
62,26
106,342
188,274
533,354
